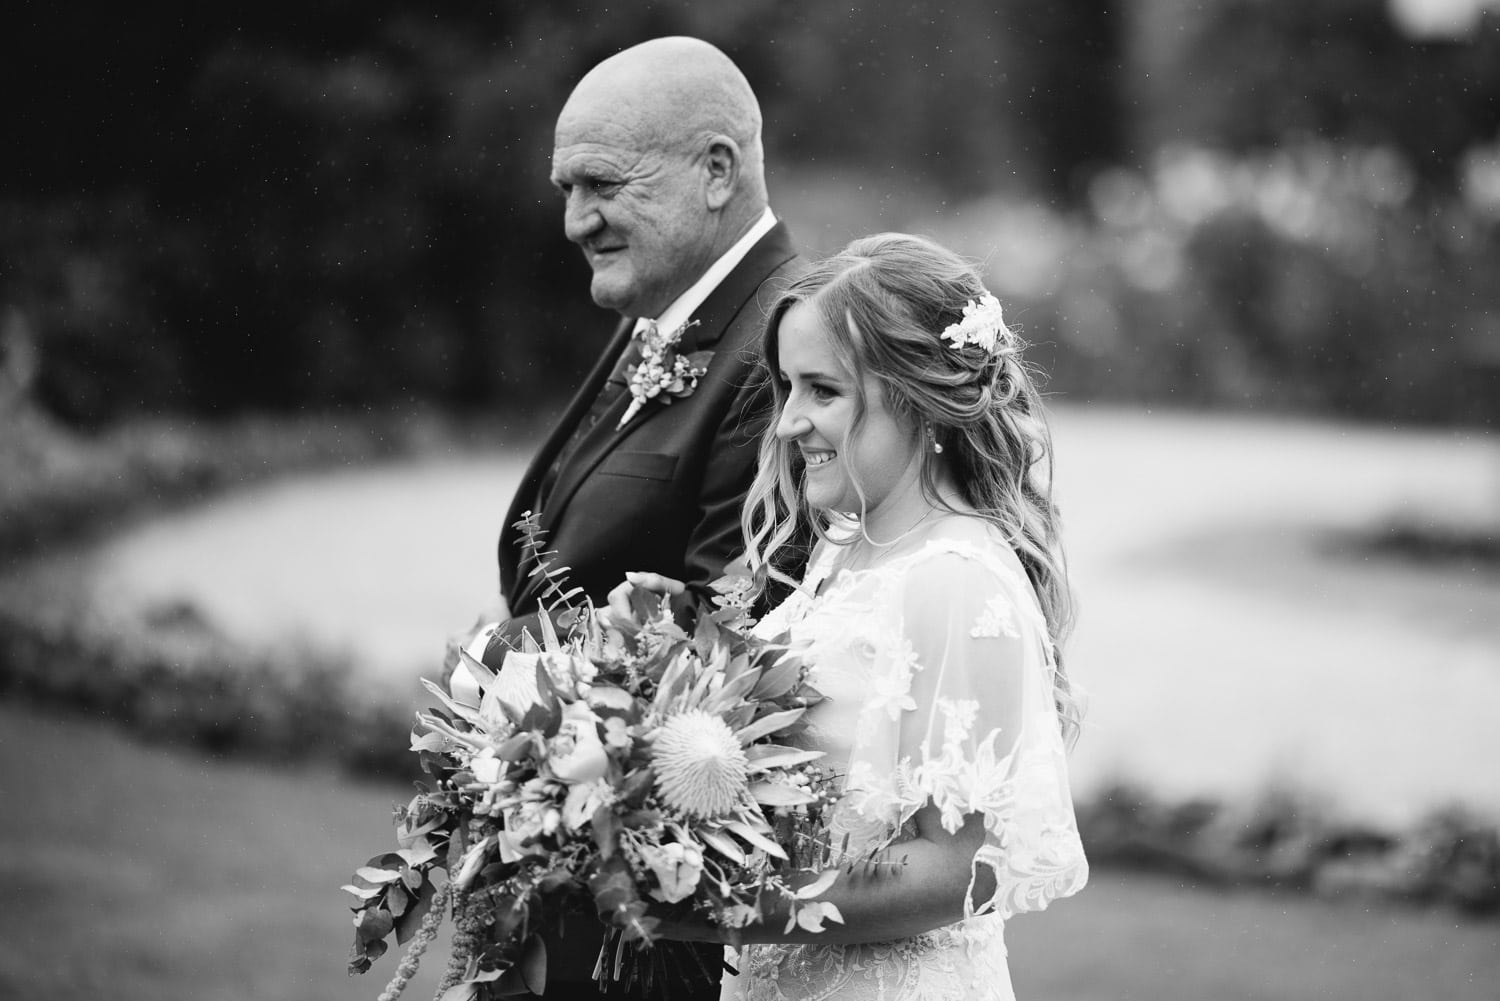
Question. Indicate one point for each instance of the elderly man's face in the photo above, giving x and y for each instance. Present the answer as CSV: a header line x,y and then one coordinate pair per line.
x,y
636,206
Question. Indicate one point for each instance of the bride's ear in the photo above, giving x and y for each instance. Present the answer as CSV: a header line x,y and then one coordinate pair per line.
x,y
722,163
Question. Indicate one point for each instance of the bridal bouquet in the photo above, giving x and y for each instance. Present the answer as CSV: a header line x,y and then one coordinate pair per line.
x,y
638,765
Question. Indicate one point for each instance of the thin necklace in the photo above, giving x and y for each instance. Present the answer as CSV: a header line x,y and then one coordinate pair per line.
x,y
871,543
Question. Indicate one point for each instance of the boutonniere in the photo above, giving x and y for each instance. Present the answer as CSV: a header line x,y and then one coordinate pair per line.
x,y
662,371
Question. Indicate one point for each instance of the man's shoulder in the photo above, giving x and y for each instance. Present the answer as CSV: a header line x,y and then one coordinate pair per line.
x,y
772,266
774,253
738,307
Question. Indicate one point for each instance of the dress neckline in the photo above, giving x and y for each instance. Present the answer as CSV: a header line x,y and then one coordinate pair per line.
x,y
825,573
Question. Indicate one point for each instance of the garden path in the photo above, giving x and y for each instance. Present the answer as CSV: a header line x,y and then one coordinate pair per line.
x,y
1235,635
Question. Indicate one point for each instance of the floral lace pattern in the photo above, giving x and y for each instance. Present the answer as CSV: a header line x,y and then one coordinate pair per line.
x,y
939,677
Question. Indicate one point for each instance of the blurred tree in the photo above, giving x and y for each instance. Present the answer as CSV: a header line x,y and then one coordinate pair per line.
x,y
345,204
1245,75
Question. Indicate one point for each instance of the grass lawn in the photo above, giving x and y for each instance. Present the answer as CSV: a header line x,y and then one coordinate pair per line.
x,y
137,872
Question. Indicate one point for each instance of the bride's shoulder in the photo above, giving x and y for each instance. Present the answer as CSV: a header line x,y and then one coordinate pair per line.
x,y
959,540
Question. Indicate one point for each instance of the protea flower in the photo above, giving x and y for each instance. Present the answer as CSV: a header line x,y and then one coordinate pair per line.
x,y
701,769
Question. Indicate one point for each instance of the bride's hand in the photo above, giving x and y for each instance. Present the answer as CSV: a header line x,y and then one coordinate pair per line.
x,y
619,614
675,922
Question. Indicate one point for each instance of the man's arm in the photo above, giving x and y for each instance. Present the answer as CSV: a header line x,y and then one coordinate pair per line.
x,y
495,611
717,539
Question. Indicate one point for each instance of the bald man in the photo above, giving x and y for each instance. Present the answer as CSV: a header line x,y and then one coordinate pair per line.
x,y
658,160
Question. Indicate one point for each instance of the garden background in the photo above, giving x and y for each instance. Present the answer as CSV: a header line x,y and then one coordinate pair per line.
x,y
284,302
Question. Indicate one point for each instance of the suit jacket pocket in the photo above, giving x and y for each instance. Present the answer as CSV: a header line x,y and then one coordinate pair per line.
x,y
644,465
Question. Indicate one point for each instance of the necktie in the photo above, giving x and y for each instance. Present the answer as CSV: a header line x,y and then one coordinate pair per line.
x,y
619,378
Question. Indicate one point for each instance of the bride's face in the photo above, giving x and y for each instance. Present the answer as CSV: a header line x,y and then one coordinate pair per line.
x,y
880,462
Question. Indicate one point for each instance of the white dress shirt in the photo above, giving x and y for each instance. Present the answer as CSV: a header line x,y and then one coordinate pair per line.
x,y
681,309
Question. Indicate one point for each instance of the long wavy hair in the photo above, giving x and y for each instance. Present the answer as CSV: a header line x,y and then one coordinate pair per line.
x,y
884,300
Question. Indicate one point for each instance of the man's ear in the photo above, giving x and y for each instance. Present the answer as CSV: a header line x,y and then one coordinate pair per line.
x,y
722,164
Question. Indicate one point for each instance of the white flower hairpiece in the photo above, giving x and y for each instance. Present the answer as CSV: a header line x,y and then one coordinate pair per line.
x,y
983,324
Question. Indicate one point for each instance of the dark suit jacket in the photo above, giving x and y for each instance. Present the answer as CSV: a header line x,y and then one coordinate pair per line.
x,y
662,494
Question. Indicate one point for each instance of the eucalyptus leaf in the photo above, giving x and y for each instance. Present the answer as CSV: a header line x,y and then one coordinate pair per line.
x,y
507,984
407,924
374,925
421,853
534,965
430,741
365,952
396,899
377,876
817,886
363,892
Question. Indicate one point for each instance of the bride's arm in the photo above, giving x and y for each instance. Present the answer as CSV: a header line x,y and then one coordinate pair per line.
x,y
919,885
974,672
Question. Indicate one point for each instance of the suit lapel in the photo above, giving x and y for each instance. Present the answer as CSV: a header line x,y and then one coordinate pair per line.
x,y
714,318
577,409
725,302
716,314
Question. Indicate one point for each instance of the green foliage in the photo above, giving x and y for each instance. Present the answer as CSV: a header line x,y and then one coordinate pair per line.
x,y
556,595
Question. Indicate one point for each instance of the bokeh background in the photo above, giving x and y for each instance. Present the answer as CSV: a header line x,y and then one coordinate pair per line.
x,y
285,304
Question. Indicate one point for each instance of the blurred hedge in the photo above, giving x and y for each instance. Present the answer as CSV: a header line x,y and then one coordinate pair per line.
x,y
1316,279
59,485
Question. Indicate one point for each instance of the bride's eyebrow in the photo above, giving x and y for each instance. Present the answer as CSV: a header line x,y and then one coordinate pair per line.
x,y
813,376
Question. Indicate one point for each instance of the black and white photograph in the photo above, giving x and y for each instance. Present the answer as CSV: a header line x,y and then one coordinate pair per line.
x,y
750,501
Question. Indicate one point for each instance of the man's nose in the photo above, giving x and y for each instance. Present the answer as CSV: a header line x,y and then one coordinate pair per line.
x,y
581,217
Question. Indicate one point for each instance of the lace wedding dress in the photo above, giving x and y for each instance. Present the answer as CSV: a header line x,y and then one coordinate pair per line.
x,y
939,677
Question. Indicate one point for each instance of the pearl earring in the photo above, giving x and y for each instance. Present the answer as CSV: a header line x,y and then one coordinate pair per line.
x,y
937,446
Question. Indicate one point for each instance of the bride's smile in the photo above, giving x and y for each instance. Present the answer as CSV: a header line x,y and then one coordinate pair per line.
x,y
866,466
815,458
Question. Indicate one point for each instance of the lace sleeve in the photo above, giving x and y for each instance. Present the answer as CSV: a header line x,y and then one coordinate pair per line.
x,y
962,715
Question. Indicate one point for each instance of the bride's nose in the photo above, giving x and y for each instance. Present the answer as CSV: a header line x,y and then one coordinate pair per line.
x,y
791,425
